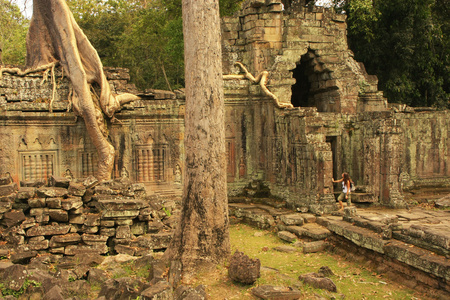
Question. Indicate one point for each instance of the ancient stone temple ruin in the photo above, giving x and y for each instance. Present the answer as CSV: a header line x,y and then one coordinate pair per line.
x,y
339,120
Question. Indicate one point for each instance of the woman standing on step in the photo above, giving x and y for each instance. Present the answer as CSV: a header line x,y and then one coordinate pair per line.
x,y
346,187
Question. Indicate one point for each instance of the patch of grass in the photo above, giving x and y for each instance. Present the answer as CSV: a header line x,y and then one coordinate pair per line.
x,y
353,280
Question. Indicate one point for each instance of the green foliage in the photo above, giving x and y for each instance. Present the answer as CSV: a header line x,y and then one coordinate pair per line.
x,y
13,31
405,43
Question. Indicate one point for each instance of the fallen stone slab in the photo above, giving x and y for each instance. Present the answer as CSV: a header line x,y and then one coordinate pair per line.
x,y
313,247
51,192
276,292
8,189
435,234
311,230
161,290
287,236
318,281
13,217
285,249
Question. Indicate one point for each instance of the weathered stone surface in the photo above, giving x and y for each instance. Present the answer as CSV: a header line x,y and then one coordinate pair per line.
x,y
292,219
53,202
312,247
23,257
155,241
122,288
51,192
55,293
48,230
161,290
76,189
276,292
58,215
318,281
244,269
91,239
285,248
14,277
58,181
25,193
8,189
187,292
71,203
92,219
64,240
12,218
36,202
85,249
287,236
38,245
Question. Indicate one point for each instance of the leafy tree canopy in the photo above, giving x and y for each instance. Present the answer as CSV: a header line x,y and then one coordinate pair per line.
x,y
13,31
406,44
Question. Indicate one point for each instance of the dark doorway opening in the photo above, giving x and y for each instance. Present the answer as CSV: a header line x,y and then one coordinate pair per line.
x,y
302,86
333,142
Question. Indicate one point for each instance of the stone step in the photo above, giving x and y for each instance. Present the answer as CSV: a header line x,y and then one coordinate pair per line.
x,y
310,230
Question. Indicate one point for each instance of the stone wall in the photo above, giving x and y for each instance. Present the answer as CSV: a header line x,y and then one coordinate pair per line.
x,y
70,217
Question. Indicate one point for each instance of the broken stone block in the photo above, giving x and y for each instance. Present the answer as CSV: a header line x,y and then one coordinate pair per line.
x,y
187,292
58,181
92,220
244,269
138,228
287,236
32,183
90,182
123,232
108,231
292,219
91,239
37,202
63,240
48,230
38,245
312,247
51,192
4,207
156,241
8,189
58,215
53,202
319,282
276,292
23,257
12,218
25,193
161,290
285,249
77,219
71,203
107,223
124,222
89,229
85,249
123,249
123,288
76,189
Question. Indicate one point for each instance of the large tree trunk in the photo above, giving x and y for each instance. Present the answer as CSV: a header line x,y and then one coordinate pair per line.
x,y
202,235
55,36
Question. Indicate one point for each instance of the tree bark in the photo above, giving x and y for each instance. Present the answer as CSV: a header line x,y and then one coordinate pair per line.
x,y
202,236
55,36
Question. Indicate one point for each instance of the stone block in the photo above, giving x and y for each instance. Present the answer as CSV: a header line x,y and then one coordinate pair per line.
x,y
92,220
123,249
89,229
85,249
124,222
51,192
58,181
123,232
39,245
5,207
156,241
312,247
58,215
109,231
25,193
71,203
287,236
36,202
160,290
8,189
63,240
244,269
13,218
92,239
77,219
292,219
276,292
138,228
48,230
76,189
53,202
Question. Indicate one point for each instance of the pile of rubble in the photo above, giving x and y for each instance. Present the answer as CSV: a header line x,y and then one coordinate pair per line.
x,y
69,217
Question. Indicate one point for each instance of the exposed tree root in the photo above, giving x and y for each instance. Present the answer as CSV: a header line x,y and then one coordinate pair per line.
x,y
262,79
